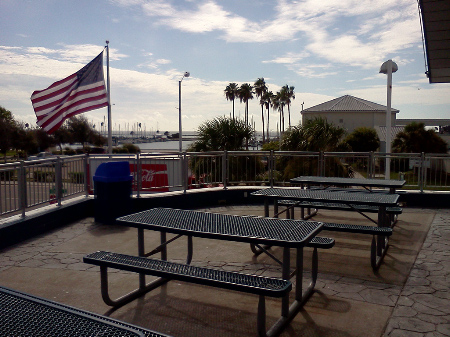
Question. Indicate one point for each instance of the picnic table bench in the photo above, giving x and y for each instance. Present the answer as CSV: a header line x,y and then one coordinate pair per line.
x,y
383,204
258,231
367,184
27,315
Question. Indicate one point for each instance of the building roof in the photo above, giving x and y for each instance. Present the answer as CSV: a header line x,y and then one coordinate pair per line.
x,y
426,121
436,31
348,103
381,132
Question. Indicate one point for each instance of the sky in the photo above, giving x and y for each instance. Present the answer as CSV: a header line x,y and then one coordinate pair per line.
x,y
325,49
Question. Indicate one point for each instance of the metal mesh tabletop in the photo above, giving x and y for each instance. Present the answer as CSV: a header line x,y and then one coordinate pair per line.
x,y
280,232
362,198
348,181
24,315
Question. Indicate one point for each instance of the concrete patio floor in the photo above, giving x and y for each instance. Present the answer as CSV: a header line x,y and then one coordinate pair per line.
x,y
408,296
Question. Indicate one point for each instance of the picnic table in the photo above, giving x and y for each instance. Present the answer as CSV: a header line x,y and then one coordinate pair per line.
x,y
351,199
391,184
27,315
288,234
384,204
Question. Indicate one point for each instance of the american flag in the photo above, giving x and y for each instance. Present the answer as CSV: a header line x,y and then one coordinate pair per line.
x,y
80,92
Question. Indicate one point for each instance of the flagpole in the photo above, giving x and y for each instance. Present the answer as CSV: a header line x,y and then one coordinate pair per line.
x,y
109,100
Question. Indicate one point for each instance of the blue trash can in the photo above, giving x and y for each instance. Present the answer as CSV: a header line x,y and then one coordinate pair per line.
x,y
112,191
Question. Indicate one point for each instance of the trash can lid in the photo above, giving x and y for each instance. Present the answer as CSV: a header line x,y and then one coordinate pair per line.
x,y
113,171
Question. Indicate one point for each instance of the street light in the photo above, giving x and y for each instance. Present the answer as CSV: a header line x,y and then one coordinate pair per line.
x,y
180,131
388,68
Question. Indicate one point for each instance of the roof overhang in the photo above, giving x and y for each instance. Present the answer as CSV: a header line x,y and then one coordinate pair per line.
x,y
436,29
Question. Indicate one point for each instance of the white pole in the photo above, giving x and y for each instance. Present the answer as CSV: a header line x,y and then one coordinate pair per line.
x,y
109,100
180,129
388,68
388,120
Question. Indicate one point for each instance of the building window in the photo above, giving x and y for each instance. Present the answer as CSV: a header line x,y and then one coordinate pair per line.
x,y
341,120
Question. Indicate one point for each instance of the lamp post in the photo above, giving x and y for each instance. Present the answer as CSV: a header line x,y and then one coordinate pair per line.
x,y
180,131
388,68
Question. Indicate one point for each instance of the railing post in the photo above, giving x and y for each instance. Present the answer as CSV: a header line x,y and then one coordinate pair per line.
x,y
86,175
422,175
321,164
138,175
371,168
225,169
184,171
22,180
271,166
58,181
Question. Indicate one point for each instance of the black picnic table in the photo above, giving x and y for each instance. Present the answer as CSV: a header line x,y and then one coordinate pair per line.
x,y
380,200
391,184
23,314
373,202
250,229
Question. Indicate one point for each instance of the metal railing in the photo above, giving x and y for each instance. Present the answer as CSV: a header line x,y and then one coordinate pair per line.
x,y
27,185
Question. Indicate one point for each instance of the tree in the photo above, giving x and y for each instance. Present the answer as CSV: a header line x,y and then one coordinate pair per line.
x,y
278,103
62,135
415,139
221,134
363,139
43,139
8,127
83,133
231,92
24,141
267,99
314,135
79,128
288,95
245,93
260,91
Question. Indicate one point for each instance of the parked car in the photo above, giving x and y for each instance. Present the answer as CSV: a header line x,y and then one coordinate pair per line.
x,y
42,155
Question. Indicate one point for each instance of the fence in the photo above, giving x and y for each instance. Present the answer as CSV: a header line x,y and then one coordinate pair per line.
x,y
27,185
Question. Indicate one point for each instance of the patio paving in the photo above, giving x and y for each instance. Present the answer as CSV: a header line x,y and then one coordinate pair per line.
x,y
408,296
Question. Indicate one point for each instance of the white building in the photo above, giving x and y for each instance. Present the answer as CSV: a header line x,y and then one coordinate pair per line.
x,y
350,113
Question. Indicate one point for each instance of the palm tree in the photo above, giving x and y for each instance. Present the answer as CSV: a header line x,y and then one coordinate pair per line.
x,y
289,95
231,92
415,139
245,92
267,98
260,90
314,135
278,103
221,134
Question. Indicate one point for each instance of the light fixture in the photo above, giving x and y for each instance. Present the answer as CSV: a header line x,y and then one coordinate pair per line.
x,y
180,129
388,68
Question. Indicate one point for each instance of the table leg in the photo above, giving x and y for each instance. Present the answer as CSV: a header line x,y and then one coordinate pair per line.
x,y
266,207
377,254
289,312
275,208
164,247
190,250
286,274
141,252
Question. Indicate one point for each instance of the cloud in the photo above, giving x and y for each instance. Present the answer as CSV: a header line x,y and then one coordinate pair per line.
x,y
356,32
289,58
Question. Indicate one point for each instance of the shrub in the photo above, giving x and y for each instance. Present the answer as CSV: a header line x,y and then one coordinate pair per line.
x,y
70,152
43,176
76,177
131,148
7,175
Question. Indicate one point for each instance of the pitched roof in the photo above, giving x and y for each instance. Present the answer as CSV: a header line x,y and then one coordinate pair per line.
x,y
381,132
348,103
